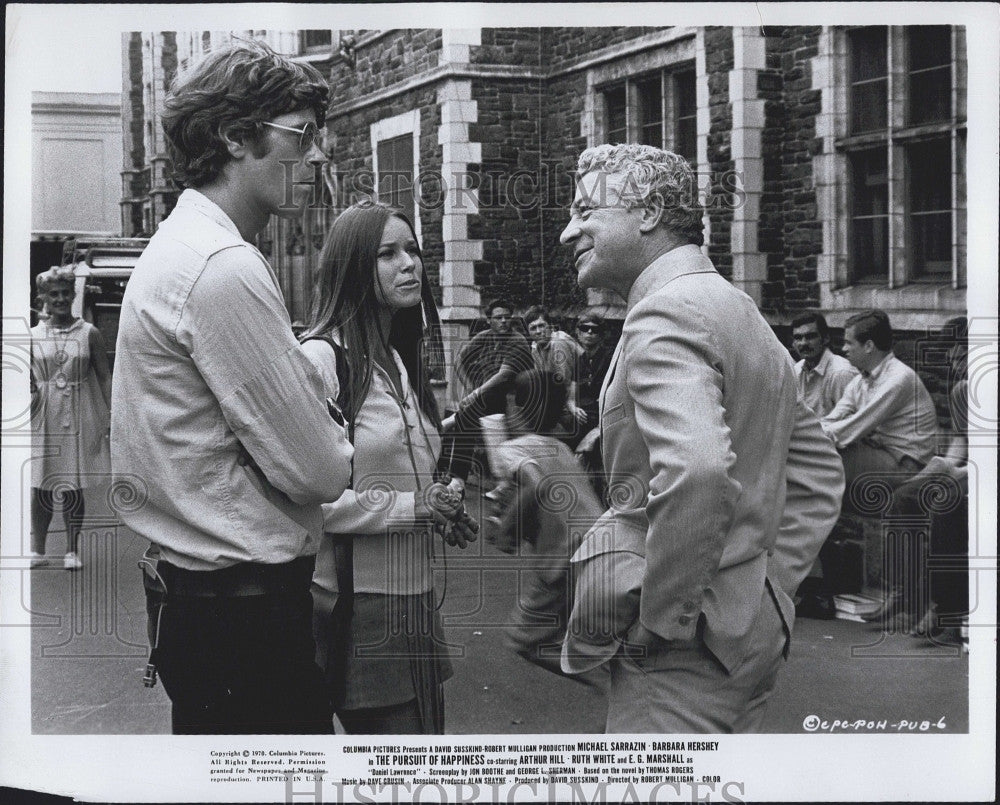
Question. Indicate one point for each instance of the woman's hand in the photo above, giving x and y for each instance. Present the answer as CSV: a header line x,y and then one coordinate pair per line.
x,y
436,502
462,530
443,505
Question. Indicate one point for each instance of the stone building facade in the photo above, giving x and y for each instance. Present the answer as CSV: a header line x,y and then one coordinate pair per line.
x,y
832,159
76,150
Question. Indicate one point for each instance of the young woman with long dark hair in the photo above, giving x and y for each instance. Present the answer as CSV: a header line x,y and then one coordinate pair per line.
x,y
381,648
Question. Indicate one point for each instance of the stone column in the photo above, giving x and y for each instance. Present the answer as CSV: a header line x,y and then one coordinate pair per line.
x,y
749,265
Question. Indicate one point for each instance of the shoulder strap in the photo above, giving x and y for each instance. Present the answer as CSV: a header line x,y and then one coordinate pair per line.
x,y
343,377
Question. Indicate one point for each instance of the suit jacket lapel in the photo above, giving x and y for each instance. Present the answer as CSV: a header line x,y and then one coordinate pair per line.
x,y
608,377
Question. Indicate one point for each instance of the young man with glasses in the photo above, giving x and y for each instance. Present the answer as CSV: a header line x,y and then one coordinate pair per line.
x,y
219,422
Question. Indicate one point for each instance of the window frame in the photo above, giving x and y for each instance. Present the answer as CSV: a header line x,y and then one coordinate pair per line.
x,y
327,47
897,138
668,114
390,128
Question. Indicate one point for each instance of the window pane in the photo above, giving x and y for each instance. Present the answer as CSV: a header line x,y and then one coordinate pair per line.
x,y
931,244
930,95
395,172
684,92
615,122
686,121
650,94
928,46
929,206
318,38
930,175
870,188
869,106
870,220
870,249
868,53
869,83
928,50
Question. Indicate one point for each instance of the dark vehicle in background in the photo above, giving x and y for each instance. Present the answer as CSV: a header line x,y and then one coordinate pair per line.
x,y
102,266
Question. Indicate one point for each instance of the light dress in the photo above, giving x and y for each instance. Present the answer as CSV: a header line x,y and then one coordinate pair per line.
x,y
70,417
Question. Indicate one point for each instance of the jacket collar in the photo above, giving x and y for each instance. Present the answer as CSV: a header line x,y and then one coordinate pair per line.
x,y
686,259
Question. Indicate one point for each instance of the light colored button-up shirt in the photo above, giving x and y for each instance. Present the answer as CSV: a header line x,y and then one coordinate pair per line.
x,y
396,453
889,406
208,371
558,356
822,387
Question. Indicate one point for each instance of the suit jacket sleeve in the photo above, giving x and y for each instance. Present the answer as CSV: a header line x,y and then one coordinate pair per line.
x,y
814,477
675,378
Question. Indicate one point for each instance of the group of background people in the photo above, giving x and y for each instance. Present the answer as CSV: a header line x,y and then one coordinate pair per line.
x,y
295,495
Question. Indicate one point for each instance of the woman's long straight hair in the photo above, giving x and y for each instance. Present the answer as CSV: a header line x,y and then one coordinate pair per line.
x,y
346,301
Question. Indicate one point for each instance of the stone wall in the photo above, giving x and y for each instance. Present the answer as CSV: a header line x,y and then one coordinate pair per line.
x,y
383,61
718,63
802,232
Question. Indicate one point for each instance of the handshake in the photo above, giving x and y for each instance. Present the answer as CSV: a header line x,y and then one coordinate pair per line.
x,y
443,505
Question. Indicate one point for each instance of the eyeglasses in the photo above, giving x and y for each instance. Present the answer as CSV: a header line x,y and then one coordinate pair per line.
x,y
588,328
309,134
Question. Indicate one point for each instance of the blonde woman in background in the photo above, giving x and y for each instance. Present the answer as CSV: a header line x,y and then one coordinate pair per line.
x,y
71,393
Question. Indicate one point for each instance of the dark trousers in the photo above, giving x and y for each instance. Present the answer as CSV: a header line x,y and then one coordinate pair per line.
x,y
934,569
238,657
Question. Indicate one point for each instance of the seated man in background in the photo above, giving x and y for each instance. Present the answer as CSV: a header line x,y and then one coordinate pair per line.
x,y
595,359
822,375
924,600
555,352
487,366
490,361
885,423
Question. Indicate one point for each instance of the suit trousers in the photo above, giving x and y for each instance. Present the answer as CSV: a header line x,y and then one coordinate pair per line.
x,y
680,686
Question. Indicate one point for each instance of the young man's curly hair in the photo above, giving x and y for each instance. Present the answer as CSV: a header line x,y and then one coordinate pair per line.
x,y
236,89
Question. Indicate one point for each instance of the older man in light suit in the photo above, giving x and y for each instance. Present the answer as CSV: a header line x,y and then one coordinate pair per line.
x,y
683,583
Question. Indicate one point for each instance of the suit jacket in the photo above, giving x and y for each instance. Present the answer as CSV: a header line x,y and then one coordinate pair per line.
x,y
697,416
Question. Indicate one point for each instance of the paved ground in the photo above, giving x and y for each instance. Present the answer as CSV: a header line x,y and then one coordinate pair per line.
x,y
89,651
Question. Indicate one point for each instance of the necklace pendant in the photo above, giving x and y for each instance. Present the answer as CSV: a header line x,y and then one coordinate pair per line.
x,y
61,357
60,380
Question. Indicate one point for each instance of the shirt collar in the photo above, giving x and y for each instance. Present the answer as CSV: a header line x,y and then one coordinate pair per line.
x,y
879,368
686,259
194,200
821,366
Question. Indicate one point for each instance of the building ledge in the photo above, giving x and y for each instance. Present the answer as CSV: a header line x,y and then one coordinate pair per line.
x,y
912,307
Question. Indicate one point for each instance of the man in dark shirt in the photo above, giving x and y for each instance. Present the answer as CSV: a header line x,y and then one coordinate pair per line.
x,y
490,361
593,365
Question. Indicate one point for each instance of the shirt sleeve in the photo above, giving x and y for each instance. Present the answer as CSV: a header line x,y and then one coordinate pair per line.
x,y
851,422
368,512
839,381
846,406
356,512
517,356
322,356
237,330
692,496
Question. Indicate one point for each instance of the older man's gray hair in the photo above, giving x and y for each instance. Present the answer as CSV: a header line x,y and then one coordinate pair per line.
x,y
652,172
